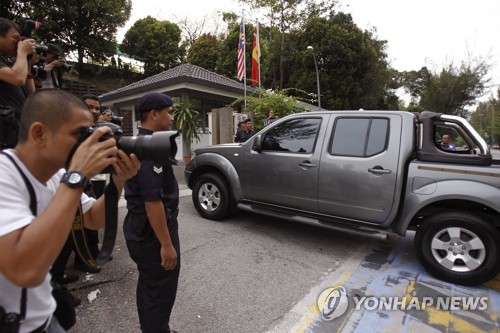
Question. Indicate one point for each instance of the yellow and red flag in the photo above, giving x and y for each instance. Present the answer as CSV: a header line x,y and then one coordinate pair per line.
x,y
256,57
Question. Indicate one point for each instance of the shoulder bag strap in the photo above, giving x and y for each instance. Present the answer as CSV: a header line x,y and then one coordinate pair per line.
x,y
33,211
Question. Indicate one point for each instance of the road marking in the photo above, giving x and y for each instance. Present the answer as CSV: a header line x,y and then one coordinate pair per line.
x,y
303,309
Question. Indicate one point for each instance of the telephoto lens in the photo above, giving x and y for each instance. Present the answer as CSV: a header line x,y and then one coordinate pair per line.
x,y
160,147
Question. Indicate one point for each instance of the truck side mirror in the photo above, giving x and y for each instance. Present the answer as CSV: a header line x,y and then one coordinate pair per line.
x,y
257,143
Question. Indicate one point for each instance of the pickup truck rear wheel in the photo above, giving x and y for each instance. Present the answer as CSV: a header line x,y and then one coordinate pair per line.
x,y
458,247
211,197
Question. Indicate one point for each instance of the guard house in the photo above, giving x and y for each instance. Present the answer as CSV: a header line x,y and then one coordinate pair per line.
x,y
206,90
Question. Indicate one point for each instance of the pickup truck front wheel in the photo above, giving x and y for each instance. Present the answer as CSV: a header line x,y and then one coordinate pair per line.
x,y
211,197
458,247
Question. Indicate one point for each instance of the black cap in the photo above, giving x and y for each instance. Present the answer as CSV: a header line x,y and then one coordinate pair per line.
x,y
154,100
52,48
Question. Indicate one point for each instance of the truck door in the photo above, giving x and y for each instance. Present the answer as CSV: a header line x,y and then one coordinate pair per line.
x,y
285,171
359,167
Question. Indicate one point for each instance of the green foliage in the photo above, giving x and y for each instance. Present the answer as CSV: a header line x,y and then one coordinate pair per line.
x,y
353,69
280,101
86,27
154,42
486,118
204,52
186,120
455,88
228,51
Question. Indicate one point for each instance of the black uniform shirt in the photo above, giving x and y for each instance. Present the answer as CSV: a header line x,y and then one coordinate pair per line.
x,y
152,182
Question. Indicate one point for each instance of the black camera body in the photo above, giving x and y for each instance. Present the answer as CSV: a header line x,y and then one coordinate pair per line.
x,y
38,70
160,147
9,322
114,119
65,66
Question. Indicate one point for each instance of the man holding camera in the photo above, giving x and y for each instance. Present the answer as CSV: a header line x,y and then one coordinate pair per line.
x,y
52,124
15,68
150,227
53,67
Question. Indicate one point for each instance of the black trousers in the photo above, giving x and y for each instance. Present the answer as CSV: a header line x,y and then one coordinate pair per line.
x,y
156,287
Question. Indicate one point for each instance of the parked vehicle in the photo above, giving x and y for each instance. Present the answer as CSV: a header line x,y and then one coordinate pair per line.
x,y
367,170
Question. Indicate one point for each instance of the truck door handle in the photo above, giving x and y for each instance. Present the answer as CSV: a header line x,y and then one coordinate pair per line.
x,y
378,170
308,165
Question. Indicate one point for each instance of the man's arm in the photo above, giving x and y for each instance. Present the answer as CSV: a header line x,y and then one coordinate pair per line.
x,y
158,221
126,167
17,74
27,254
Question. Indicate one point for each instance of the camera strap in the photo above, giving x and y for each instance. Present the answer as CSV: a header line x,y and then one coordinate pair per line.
x,y
110,230
111,213
24,294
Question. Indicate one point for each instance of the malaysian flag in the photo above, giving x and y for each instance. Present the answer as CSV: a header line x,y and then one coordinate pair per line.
x,y
241,52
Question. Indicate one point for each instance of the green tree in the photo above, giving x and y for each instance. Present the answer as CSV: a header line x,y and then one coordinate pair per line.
x,y
352,64
87,27
280,101
204,52
156,43
283,15
454,89
228,51
486,118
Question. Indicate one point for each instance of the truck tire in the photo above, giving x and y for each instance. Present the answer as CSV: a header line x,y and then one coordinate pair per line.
x,y
211,197
458,247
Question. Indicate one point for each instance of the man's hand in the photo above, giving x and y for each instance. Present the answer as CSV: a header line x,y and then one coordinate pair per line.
x,y
54,64
106,117
168,257
125,168
25,47
93,154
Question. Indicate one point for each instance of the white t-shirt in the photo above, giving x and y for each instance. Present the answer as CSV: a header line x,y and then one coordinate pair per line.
x,y
15,214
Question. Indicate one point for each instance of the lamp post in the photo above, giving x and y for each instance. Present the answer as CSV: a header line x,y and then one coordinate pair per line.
x,y
310,48
493,127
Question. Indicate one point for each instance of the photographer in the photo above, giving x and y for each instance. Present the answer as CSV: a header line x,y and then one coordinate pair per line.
x,y
52,123
14,71
53,67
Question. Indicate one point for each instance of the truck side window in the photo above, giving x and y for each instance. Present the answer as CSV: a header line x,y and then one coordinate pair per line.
x,y
359,137
294,136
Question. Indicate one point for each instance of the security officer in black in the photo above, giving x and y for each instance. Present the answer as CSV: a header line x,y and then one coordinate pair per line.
x,y
150,227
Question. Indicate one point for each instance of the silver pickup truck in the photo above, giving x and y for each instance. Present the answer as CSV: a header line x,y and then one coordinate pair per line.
x,y
367,170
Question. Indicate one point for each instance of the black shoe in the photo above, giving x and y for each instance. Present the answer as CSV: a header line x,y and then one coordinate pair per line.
x,y
76,300
69,278
87,268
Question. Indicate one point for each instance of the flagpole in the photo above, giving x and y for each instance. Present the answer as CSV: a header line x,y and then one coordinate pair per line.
x,y
244,57
258,43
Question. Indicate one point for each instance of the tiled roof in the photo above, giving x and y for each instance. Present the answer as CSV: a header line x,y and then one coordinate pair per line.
x,y
180,74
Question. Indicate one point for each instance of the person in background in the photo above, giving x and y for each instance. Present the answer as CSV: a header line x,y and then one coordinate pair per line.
x,y
238,131
52,67
270,119
446,143
16,81
247,131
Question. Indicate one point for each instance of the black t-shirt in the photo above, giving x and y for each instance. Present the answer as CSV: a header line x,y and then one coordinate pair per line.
x,y
11,95
152,182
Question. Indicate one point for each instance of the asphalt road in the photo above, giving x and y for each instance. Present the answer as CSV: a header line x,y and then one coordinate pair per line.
x,y
242,275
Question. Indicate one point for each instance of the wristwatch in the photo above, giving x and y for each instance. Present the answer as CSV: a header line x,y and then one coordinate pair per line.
x,y
75,179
